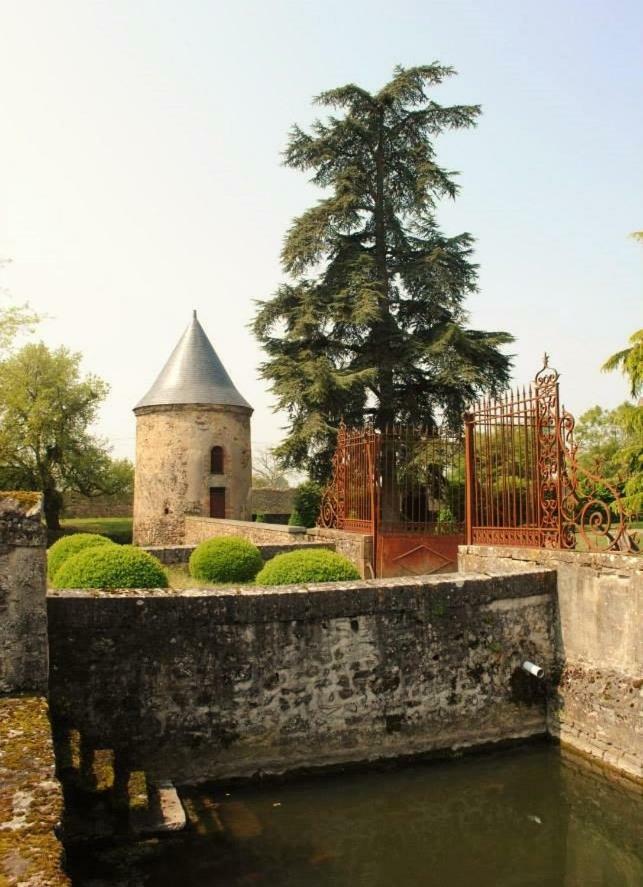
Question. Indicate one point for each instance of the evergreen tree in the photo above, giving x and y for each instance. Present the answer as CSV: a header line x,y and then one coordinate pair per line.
x,y
372,324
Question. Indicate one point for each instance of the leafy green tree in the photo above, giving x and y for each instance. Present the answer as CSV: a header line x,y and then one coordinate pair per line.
x,y
372,321
46,409
611,447
14,319
630,362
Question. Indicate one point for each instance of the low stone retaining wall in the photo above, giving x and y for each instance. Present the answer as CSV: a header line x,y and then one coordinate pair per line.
x,y
180,554
597,705
203,685
198,529
357,547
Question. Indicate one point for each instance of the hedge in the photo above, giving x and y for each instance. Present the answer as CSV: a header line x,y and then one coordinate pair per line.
x,y
111,566
307,502
316,565
68,546
225,559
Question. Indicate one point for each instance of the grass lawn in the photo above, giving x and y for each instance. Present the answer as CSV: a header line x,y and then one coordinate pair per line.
x,y
180,579
117,528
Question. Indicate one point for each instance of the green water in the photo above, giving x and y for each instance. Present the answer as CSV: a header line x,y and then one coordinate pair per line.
x,y
524,817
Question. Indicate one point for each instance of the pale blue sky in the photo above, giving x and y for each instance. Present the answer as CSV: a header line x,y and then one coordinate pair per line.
x,y
140,172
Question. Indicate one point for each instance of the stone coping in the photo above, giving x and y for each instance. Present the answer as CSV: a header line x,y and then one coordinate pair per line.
x,y
287,603
249,524
599,560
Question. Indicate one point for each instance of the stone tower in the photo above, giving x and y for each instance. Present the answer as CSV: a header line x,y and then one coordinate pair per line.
x,y
192,444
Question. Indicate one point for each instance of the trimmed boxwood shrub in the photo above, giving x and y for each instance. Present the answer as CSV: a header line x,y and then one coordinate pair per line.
x,y
225,559
69,546
316,565
111,566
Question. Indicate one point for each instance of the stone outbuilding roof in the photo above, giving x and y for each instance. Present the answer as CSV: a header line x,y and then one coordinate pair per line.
x,y
193,375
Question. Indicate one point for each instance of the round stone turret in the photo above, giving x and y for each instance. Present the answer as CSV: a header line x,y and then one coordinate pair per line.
x,y
192,444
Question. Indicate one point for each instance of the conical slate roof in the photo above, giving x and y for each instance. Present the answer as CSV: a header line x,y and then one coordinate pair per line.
x,y
193,374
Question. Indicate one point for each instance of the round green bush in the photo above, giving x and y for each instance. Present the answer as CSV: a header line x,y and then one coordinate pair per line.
x,y
68,546
225,559
111,566
317,565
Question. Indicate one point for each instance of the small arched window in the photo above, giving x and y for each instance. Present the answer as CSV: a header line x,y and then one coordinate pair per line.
x,y
216,460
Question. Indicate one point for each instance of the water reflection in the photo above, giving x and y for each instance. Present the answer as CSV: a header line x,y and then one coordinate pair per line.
x,y
517,818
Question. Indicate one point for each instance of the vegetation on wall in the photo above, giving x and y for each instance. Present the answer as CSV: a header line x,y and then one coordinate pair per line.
x,y
372,322
46,410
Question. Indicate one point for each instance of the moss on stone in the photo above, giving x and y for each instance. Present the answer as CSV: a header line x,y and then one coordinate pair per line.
x,y
25,498
30,796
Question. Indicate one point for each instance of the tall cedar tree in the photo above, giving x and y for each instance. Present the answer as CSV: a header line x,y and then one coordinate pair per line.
x,y
373,323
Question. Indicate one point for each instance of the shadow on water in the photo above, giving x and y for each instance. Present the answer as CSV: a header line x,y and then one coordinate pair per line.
x,y
524,817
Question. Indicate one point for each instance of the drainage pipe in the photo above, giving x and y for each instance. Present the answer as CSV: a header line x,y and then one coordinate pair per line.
x,y
533,669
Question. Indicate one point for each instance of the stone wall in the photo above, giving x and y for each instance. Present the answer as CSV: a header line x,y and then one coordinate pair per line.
x,y
215,684
357,547
198,529
173,477
597,705
180,554
23,612
268,501
76,505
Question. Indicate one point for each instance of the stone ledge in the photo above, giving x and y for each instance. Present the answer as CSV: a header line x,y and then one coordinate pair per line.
x,y
597,560
426,597
248,525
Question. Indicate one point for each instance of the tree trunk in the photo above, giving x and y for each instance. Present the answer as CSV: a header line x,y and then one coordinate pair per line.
x,y
389,505
52,506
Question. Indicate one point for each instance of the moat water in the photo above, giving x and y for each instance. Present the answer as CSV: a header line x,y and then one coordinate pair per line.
x,y
520,818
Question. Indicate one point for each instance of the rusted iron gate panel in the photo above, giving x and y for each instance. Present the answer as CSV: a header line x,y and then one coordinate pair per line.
x,y
421,494
525,485
350,500
405,487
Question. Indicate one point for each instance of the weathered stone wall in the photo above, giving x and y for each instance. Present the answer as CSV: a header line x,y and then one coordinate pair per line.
x,y
76,505
180,554
23,611
198,529
31,799
173,467
215,684
268,501
596,706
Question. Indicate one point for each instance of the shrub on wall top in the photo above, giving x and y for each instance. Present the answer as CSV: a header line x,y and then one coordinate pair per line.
x,y
316,565
111,566
68,546
225,559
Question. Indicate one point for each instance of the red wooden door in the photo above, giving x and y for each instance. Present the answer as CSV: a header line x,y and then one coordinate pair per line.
x,y
217,501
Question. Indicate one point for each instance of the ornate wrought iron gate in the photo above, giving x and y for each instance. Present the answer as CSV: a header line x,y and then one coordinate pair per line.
x,y
405,487
525,485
